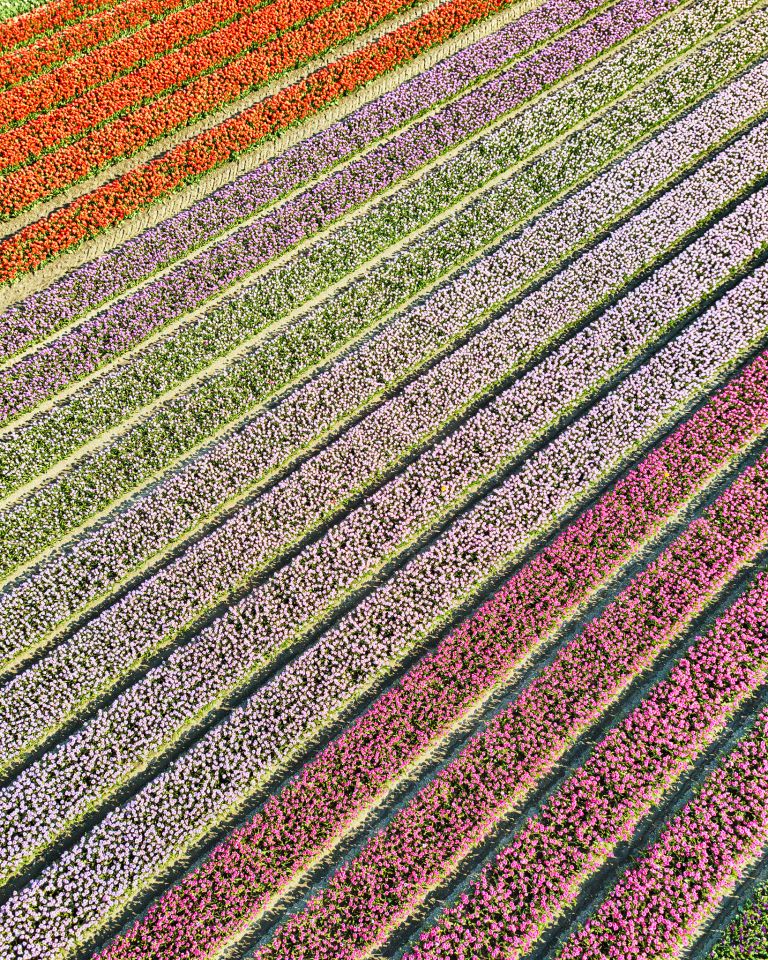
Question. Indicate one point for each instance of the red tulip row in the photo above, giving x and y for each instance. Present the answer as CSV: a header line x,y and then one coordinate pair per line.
x,y
47,19
205,23
215,901
19,64
119,199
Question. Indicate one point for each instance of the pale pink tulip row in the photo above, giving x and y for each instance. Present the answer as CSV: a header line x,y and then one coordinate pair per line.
x,y
125,852
521,891
425,840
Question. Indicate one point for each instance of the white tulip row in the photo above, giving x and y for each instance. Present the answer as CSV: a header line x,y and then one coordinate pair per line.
x,y
39,603
126,850
45,515
65,783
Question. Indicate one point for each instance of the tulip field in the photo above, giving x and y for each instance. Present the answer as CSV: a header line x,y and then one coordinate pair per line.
x,y
383,479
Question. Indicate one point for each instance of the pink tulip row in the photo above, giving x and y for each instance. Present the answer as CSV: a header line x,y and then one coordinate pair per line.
x,y
122,854
43,600
96,341
540,872
148,716
214,902
147,445
658,903
400,865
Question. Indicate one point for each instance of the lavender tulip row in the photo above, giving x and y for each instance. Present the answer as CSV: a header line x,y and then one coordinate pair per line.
x,y
656,906
540,871
52,594
116,396
196,677
423,843
44,515
138,259
214,903
94,342
746,937
122,854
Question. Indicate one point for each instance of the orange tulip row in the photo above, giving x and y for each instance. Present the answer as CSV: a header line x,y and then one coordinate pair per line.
x,y
24,62
47,19
110,204
57,170
215,47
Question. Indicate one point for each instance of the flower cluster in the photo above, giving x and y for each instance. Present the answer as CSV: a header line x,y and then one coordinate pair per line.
x,y
51,17
342,781
91,881
82,349
553,853
105,82
747,935
80,38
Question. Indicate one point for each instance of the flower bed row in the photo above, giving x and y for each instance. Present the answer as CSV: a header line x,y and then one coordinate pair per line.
x,y
96,562
215,777
80,351
43,515
533,878
126,194
81,38
133,69
226,655
86,287
657,904
55,171
49,19
398,866
217,900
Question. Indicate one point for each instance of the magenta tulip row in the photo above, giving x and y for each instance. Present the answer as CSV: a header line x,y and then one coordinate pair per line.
x,y
215,777
654,910
552,855
424,841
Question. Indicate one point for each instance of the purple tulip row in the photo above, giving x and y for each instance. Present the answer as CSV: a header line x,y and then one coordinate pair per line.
x,y
42,601
97,340
123,392
124,852
216,901
134,261
540,872
658,903
398,867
